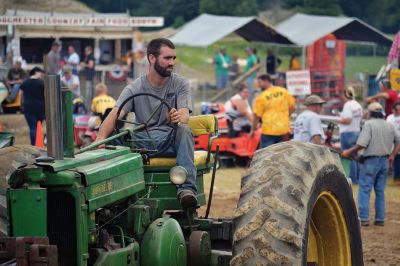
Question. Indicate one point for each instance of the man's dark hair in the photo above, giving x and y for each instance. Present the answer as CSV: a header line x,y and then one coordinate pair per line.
x,y
241,87
35,70
265,77
155,45
395,105
376,115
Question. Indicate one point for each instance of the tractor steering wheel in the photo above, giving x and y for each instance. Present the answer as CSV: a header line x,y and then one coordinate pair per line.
x,y
143,126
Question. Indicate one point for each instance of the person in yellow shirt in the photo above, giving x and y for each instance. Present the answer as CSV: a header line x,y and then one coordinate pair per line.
x,y
273,106
294,63
102,101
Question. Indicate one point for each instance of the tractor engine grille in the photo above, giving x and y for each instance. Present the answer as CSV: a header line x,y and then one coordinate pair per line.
x,y
61,226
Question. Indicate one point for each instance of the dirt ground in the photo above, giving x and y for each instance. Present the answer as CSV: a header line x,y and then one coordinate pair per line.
x,y
381,245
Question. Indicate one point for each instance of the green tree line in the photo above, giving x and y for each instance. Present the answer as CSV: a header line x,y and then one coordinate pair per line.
x,y
382,14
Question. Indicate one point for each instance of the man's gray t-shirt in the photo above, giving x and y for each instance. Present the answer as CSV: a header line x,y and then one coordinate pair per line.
x,y
308,124
377,137
176,92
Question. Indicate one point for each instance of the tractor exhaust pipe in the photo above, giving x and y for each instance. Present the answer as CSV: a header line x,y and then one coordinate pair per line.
x,y
54,119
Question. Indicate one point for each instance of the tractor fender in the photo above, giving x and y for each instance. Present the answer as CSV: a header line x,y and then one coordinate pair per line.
x,y
163,244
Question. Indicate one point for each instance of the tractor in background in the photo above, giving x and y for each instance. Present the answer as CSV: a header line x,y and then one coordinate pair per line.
x,y
118,206
235,148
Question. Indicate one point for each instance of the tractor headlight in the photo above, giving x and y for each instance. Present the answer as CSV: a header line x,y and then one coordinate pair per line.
x,y
178,175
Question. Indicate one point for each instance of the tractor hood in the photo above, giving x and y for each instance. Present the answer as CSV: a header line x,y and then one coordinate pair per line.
x,y
86,158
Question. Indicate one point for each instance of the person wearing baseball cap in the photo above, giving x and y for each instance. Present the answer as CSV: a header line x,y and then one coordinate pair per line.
x,y
376,140
308,126
350,126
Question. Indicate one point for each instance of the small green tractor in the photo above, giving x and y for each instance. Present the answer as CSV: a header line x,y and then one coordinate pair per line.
x,y
118,206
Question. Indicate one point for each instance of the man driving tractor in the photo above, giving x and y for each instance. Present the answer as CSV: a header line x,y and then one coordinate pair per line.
x,y
160,122
238,110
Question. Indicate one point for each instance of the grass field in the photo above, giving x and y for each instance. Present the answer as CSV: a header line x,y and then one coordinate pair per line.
x,y
200,58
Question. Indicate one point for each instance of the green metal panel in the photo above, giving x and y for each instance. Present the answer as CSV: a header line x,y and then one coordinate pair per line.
x,y
86,158
128,256
28,212
63,178
113,180
163,244
165,190
114,189
104,170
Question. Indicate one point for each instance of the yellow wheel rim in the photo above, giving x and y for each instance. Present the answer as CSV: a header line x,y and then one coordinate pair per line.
x,y
328,237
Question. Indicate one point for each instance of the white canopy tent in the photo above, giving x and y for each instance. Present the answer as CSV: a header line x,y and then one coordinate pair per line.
x,y
207,29
304,29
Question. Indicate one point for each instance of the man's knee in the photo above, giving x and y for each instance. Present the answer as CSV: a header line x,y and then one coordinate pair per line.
x,y
184,130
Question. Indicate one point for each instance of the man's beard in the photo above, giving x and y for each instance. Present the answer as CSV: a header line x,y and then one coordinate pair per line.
x,y
162,71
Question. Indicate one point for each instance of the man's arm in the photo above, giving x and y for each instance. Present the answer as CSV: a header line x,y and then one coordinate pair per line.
x,y
393,154
254,126
383,95
107,127
316,130
356,148
345,120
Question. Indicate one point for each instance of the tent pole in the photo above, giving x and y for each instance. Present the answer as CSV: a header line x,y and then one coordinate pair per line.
x,y
205,71
303,57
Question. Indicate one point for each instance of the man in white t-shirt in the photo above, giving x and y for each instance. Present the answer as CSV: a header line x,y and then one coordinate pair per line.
x,y
349,127
308,126
394,119
73,60
71,82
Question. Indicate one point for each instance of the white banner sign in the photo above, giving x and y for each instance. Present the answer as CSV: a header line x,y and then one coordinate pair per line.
x,y
65,21
83,21
146,21
298,82
11,20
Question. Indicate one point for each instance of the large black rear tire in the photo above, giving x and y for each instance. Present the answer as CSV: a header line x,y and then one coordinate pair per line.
x,y
11,159
296,208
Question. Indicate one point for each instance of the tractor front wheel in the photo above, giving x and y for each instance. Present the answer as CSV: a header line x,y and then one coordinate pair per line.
x,y
296,208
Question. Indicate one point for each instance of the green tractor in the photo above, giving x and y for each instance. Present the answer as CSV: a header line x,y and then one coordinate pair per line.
x,y
117,206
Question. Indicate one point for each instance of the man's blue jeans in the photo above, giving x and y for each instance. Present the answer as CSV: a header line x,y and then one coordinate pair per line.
x,y
182,148
222,81
32,119
348,140
250,86
14,91
373,174
268,140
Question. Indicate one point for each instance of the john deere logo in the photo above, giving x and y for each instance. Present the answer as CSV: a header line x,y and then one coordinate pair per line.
x,y
101,188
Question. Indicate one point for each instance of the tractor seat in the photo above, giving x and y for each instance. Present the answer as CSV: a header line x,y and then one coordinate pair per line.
x,y
200,159
200,125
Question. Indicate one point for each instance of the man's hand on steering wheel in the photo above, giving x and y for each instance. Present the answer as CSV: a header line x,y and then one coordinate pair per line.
x,y
174,116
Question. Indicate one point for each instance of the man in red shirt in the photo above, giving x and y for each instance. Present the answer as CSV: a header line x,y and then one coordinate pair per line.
x,y
390,96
